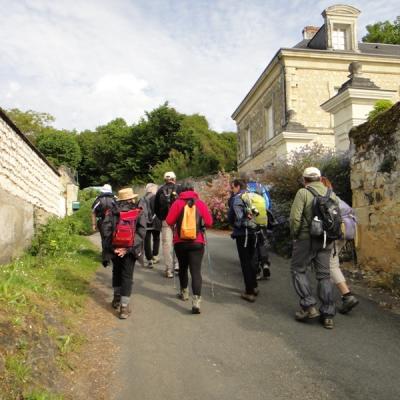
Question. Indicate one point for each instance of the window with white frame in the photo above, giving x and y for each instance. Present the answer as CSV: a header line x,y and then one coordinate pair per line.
x,y
248,142
269,122
339,34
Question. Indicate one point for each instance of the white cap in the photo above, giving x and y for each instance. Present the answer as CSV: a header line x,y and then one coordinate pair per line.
x,y
106,188
170,175
312,172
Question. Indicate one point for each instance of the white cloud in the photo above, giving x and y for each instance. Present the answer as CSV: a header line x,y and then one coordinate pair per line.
x,y
97,60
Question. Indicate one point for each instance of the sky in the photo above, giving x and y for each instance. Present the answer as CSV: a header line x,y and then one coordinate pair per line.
x,y
87,62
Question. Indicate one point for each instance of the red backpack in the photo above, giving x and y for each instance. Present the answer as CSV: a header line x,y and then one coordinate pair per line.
x,y
124,233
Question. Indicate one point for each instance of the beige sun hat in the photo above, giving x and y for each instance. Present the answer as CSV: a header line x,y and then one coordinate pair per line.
x,y
126,194
312,172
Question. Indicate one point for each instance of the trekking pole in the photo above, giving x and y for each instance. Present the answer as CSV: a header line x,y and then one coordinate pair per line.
x,y
210,271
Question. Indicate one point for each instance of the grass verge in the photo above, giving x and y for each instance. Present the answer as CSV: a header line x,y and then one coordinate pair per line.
x,y
41,299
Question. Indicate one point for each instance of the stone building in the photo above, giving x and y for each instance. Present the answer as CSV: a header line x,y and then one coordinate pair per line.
x,y
282,111
31,189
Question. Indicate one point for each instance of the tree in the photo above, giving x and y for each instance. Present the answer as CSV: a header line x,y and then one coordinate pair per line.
x,y
30,122
59,147
383,32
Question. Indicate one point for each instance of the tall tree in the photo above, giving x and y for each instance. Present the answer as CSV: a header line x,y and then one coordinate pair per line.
x,y
30,122
383,32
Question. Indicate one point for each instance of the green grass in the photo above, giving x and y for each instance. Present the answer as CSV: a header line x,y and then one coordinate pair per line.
x,y
42,295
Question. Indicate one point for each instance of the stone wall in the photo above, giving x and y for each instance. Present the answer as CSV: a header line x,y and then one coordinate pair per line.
x,y
30,189
375,181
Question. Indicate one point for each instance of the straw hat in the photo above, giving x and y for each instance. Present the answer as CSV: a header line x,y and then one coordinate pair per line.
x,y
126,194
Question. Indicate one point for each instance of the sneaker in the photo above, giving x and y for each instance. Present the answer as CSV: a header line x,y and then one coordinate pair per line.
x,y
156,259
327,323
116,301
150,264
196,304
348,303
248,297
124,311
169,274
309,313
184,294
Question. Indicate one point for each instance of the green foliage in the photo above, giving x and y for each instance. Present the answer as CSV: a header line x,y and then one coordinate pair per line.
x,y
82,217
383,32
380,107
59,147
30,122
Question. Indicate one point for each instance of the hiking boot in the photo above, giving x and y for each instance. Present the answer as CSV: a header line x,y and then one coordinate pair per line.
x,y
156,259
248,297
348,303
116,301
184,294
256,291
176,269
105,263
150,264
327,323
309,313
124,311
266,272
196,304
169,274
259,274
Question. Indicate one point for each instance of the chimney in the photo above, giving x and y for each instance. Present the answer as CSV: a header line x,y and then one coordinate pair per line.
x,y
310,31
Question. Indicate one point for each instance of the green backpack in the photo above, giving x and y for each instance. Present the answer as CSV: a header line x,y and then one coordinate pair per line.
x,y
255,208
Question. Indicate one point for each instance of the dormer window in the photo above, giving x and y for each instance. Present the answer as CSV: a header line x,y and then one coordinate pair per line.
x,y
339,38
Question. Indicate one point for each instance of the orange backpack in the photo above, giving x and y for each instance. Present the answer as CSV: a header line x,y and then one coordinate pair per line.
x,y
189,221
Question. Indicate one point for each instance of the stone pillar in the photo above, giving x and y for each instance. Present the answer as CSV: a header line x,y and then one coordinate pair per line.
x,y
352,104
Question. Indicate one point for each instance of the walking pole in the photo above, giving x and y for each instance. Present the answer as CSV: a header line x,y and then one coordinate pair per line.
x,y
210,272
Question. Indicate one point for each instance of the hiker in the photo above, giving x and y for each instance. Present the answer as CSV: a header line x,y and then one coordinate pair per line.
x,y
165,197
262,261
189,215
245,239
126,248
153,228
100,207
349,301
312,244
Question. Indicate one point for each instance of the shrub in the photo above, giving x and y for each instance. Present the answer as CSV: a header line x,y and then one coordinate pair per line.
x,y
380,107
216,194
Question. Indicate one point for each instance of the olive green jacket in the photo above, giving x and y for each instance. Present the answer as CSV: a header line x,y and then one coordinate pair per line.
x,y
301,211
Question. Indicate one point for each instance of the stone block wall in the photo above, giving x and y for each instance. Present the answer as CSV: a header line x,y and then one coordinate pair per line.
x,y
30,189
375,181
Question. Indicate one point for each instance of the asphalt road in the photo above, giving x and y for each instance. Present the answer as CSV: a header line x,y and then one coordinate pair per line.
x,y
236,350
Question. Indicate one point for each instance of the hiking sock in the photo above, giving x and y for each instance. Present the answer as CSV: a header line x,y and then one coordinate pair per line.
x,y
125,300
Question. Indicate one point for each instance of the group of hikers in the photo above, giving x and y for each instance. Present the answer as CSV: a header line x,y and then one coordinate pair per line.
x,y
174,215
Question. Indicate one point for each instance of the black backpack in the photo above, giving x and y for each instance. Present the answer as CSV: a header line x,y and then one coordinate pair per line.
x,y
169,194
327,219
105,202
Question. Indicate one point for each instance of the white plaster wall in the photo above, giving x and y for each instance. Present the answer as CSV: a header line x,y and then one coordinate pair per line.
x,y
26,176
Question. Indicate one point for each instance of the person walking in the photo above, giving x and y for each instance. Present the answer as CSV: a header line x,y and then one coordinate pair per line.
x,y
124,258
100,208
165,197
189,210
245,240
262,261
153,229
309,250
349,301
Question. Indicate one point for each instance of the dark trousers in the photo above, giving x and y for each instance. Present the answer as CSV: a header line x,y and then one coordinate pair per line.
x,y
122,274
247,252
262,256
152,237
105,228
311,252
190,256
